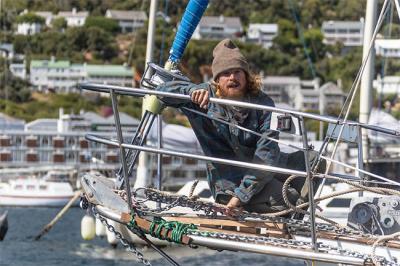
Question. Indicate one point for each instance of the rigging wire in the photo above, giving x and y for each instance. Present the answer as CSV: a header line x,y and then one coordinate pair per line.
x,y
301,35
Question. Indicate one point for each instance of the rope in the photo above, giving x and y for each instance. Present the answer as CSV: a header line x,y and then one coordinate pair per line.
x,y
375,259
177,230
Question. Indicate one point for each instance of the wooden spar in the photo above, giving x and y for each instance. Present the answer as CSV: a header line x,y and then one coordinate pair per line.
x,y
145,226
59,215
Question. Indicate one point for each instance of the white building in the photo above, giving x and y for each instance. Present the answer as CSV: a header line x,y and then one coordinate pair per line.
x,y
262,34
47,16
128,21
350,33
387,85
74,18
18,70
302,94
7,50
211,27
62,76
388,47
25,28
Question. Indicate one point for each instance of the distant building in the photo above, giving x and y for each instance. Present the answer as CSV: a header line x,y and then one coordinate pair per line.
x,y
74,18
61,143
26,28
48,17
350,33
128,21
62,76
302,94
10,123
387,48
7,50
216,28
387,85
262,34
18,70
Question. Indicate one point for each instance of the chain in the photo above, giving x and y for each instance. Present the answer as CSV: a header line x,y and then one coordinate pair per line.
x,y
130,246
212,210
291,243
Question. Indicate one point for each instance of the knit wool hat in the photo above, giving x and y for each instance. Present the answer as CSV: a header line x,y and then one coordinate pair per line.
x,y
227,56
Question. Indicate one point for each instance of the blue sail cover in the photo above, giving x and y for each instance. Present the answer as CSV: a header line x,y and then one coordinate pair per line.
x,y
191,18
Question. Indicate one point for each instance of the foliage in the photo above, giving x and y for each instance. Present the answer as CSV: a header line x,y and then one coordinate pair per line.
x,y
59,24
30,18
106,24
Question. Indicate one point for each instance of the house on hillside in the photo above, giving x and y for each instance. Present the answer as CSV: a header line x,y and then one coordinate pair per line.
x,y
303,95
350,33
262,34
128,21
74,18
47,16
218,27
388,47
29,23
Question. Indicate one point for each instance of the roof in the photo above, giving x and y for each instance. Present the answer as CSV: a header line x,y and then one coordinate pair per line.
x,y
233,22
264,27
7,46
388,43
343,24
51,63
331,88
73,14
281,80
44,14
126,15
109,70
124,118
42,124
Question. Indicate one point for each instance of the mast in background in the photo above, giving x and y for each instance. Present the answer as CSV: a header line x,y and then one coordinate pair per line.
x,y
368,74
142,174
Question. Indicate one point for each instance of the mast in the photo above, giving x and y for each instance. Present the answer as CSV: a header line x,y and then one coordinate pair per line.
x,y
142,174
368,74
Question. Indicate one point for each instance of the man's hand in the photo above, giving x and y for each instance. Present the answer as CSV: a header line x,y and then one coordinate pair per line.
x,y
233,207
200,97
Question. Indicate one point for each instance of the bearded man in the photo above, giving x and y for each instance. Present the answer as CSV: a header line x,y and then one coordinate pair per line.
x,y
253,190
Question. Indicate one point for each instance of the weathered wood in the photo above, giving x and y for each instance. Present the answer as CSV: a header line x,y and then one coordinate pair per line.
x,y
145,226
222,222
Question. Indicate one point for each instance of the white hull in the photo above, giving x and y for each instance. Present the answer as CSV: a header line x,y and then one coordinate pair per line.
x,y
52,201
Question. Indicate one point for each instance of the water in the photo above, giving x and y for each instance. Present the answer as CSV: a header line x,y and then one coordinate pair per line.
x,y
63,245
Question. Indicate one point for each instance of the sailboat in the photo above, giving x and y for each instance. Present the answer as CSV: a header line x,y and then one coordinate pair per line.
x,y
371,235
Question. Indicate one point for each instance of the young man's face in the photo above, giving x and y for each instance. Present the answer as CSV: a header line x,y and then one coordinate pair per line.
x,y
232,83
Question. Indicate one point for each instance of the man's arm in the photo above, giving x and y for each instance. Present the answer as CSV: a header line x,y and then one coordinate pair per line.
x,y
196,91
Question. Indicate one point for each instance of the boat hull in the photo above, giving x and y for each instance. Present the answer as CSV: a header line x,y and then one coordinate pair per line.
x,y
39,201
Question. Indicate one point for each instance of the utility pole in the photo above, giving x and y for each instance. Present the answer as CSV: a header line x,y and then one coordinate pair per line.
x,y
368,74
142,172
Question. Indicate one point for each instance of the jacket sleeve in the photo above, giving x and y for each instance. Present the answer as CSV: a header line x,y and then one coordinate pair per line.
x,y
267,153
180,87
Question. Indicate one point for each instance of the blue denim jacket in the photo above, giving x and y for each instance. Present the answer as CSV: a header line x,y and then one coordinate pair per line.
x,y
228,142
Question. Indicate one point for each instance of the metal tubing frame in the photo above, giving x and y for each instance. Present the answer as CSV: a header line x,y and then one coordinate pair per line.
x,y
360,159
309,180
159,156
274,169
143,92
121,148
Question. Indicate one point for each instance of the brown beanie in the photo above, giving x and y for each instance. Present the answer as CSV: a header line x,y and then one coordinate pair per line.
x,y
227,56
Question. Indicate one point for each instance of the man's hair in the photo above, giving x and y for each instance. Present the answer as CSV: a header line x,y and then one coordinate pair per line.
x,y
254,84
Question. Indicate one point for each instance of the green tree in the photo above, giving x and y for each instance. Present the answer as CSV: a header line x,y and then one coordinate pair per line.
x,y
106,24
59,24
30,18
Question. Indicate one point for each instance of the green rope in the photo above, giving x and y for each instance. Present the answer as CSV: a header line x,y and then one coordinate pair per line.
x,y
177,230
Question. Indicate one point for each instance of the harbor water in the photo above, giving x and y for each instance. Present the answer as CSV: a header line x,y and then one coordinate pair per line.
x,y
64,246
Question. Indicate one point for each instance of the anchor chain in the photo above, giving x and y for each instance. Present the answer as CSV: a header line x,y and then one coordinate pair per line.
x,y
128,245
211,210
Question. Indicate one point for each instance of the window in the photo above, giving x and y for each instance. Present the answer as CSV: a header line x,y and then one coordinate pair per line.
x,y
42,187
30,187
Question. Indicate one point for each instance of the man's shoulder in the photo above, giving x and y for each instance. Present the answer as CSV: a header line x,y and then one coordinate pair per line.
x,y
261,98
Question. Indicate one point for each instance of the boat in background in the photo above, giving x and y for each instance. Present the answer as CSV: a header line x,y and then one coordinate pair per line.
x,y
52,190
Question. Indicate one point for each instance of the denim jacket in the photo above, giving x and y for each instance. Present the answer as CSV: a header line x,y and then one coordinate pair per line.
x,y
228,142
